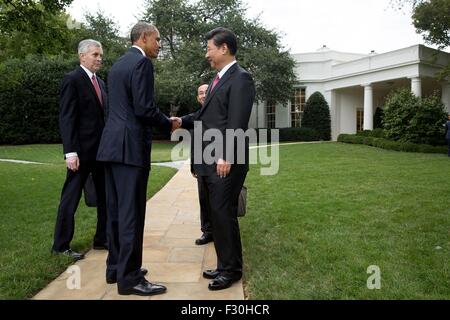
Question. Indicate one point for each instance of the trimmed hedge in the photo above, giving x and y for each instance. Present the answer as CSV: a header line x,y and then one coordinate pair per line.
x,y
391,145
293,134
29,99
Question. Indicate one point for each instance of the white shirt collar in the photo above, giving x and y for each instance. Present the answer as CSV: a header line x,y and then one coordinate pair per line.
x,y
140,49
89,72
225,69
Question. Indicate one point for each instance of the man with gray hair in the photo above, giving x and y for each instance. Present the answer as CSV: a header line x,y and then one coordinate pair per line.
x,y
81,121
125,148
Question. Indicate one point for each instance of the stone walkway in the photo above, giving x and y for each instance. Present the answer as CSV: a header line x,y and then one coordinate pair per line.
x,y
171,227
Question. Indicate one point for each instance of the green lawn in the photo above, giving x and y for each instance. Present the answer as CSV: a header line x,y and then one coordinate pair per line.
x,y
53,153
29,197
333,210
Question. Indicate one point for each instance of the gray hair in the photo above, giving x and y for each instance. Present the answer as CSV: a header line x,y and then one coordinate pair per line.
x,y
140,28
84,45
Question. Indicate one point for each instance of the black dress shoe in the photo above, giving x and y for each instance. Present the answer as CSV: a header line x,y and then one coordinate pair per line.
x,y
74,255
100,246
110,279
204,239
222,282
144,288
210,274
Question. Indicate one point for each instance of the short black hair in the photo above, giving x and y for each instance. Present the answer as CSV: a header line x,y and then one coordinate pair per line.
x,y
140,28
223,35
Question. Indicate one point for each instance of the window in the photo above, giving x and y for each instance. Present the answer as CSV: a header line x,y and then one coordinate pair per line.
x,y
270,116
298,102
359,120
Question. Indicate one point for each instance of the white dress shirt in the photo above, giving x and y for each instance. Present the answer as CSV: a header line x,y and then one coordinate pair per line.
x,y
225,69
140,49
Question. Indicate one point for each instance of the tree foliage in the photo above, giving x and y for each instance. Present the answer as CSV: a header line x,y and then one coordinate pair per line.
x,y
184,23
431,18
317,116
408,118
33,27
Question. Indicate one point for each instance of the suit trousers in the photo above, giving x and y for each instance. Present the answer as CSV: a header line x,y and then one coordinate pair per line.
x,y
205,219
70,199
448,145
126,195
222,197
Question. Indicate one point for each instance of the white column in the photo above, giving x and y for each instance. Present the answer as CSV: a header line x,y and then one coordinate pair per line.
x,y
446,96
416,86
368,107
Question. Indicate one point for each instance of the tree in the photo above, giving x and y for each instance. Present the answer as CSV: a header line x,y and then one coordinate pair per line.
x,y
105,30
408,118
431,18
317,116
32,27
182,68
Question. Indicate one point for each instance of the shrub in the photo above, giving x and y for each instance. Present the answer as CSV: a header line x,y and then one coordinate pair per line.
x,y
29,99
292,134
317,116
391,145
408,118
29,93
376,133
378,118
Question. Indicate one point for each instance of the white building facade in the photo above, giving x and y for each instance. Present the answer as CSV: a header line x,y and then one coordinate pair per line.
x,y
355,85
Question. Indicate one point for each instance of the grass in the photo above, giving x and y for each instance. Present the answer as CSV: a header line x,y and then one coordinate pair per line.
x,y
53,153
29,197
333,210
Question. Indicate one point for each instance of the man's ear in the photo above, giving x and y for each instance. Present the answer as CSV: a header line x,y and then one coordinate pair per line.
x,y
224,49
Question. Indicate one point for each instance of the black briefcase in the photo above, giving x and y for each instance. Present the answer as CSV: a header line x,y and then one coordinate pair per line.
x,y
90,196
242,204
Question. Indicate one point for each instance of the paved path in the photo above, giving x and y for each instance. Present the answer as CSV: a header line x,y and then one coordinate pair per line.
x,y
171,227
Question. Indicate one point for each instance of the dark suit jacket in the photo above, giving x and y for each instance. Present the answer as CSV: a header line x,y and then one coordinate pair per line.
x,y
447,130
228,106
81,116
127,136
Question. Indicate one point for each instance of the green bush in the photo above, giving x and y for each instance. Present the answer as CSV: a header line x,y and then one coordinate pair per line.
x,y
317,116
408,118
391,145
292,134
29,99
378,118
298,134
29,94
376,133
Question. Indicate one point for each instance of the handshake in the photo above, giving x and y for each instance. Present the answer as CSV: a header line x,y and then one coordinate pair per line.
x,y
176,123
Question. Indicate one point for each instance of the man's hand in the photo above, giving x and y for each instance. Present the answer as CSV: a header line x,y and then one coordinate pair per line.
x,y
73,163
223,168
176,123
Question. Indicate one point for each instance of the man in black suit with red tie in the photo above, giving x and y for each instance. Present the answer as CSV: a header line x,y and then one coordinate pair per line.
x,y
125,148
81,121
227,106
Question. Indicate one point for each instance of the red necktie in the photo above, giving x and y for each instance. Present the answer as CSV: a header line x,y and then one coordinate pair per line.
x,y
216,80
97,89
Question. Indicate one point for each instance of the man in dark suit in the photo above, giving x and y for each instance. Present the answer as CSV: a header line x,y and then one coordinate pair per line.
x,y
81,121
447,133
205,220
125,148
227,106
